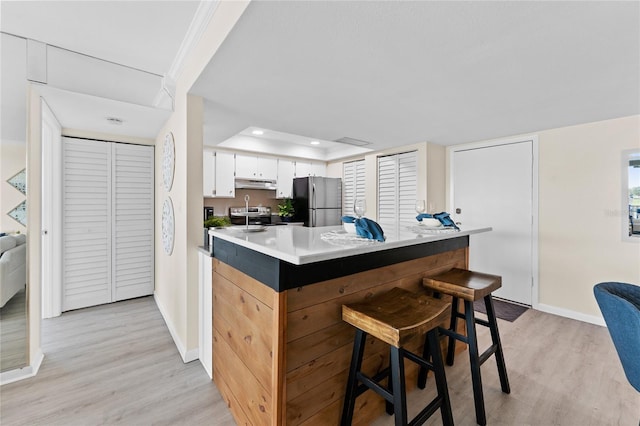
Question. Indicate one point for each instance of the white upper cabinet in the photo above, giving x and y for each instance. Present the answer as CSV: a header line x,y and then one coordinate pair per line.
x,y
267,168
303,168
253,167
319,169
286,170
309,168
224,172
209,173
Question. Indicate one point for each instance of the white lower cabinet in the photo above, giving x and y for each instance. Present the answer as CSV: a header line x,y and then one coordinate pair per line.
x,y
205,312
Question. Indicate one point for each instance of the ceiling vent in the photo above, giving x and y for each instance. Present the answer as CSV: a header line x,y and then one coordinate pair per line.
x,y
352,141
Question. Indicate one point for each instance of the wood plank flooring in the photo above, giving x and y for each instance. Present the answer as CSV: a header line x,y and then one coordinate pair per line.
x,y
113,364
561,372
13,332
117,364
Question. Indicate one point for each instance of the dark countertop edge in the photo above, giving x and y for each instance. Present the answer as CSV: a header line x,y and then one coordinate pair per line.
x,y
281,275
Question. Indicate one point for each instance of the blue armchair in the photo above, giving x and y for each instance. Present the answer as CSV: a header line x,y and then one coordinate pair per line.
x,y
620,306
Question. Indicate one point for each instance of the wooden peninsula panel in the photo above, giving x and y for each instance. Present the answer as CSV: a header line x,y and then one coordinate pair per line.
x,y
247,345
283,357
319,343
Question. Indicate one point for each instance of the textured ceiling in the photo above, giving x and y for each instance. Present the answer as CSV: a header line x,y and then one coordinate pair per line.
x,y
141,34
396,73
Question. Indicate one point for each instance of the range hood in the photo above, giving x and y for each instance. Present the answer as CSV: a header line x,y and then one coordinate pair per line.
x,y
267,184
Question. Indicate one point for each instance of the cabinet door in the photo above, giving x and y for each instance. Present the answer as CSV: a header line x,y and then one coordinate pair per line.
x,y
267,168
303,168
318,169
225,179
209,173
286,170
246,166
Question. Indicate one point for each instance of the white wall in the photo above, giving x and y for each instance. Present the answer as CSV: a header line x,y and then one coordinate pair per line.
x,y
177,275
580,217
580,222
13,158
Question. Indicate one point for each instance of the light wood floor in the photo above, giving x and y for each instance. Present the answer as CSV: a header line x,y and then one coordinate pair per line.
x,y
13,332
117,364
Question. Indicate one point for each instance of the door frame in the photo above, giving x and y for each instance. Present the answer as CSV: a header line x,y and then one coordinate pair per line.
x,y
451,150
51,232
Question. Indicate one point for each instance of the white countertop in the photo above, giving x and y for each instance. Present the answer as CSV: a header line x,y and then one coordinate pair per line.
x,y
301,245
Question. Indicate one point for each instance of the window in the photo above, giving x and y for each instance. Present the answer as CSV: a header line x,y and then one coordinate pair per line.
x,y
631,193
353,177
397,187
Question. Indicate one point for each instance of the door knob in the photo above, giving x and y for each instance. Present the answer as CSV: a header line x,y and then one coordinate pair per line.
x,y
458,210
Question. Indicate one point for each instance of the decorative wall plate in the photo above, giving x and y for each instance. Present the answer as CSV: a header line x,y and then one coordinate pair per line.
x,y
168,161
19,181
19,213
168,226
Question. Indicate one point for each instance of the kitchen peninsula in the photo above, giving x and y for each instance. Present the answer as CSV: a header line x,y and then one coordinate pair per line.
x,y
281,351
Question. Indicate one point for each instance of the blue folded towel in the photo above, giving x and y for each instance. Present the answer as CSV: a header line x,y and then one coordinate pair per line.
x,y
366,228
424,216
443,217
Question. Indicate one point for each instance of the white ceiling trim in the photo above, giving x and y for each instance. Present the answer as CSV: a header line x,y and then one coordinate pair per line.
x,y
201,19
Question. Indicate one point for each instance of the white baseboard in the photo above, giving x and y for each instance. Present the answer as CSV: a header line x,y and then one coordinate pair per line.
x,y
187,356
592,319
191,355
11,376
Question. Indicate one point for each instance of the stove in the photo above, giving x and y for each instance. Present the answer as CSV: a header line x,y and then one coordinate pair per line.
x,y
259,215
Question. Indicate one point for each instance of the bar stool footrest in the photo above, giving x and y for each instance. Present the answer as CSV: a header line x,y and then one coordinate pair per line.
x,y
369,383
453,334
486,354
424,415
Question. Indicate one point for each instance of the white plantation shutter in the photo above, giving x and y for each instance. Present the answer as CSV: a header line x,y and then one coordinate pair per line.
x,y
397,188
353,177
86,236
108,201
132,221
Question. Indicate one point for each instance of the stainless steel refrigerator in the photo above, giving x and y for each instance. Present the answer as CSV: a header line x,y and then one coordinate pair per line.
x,y
317,200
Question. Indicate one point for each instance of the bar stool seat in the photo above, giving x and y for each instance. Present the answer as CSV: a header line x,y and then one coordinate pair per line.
x,y
470,286
395,317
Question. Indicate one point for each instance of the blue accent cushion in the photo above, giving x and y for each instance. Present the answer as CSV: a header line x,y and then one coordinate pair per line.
x,y
423,216
620,306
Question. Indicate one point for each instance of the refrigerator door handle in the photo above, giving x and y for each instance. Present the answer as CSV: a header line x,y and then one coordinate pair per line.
x,y
313,204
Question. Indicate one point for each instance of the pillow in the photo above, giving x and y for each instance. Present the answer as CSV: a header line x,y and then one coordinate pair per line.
x,y
7,243
20,239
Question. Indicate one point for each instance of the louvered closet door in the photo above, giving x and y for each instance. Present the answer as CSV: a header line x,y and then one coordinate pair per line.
x,y
132,221
353,176
397,188
86,235
107,222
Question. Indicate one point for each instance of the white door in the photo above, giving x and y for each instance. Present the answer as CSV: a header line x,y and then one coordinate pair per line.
x,y
108,225
132,222
494,186
51,232
86,226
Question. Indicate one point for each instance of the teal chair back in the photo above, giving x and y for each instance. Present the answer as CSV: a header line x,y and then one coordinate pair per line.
x,y
620,307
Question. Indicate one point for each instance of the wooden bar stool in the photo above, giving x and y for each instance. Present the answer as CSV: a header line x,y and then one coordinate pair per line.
x,y
470,286
394,317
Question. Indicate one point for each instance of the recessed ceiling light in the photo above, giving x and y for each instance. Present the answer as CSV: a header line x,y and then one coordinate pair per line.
x,y
115,121
315,143
258,132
